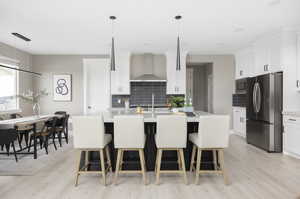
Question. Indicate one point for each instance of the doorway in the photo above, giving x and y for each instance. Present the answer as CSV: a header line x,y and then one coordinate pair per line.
x,y
200,86
96,84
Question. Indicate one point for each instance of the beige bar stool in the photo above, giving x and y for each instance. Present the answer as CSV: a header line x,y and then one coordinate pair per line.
x,y
171,135
89,135
213,134
129,135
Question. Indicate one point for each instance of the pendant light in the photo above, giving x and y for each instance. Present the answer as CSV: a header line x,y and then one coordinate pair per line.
x,y
112,53
178,17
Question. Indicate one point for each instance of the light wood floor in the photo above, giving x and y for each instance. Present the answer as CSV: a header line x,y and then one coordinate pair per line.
x,y
253,173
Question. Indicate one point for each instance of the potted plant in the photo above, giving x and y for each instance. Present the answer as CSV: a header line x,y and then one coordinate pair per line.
x,y
176,103
34,99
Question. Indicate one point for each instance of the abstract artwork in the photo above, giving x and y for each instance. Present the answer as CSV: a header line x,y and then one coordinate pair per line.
x,y
62,87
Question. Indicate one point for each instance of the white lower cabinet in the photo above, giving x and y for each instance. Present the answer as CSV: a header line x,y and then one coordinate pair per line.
x,y
291,136
239,121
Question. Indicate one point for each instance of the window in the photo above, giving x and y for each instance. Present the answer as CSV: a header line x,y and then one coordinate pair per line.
x,y
8,89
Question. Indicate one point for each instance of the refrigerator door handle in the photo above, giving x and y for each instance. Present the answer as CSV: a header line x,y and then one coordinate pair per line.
x,y
254,97
258,97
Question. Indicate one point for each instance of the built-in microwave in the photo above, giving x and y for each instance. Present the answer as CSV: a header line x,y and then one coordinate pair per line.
x,y
241,86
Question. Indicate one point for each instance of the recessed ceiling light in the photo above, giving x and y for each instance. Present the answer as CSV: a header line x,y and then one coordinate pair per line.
x,y
238,29
273,2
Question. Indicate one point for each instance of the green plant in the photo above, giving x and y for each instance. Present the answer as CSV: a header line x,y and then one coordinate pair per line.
x,y
176,101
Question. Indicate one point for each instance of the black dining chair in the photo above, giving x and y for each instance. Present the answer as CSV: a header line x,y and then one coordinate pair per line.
x,y
62,129
7,139
23,131
47,132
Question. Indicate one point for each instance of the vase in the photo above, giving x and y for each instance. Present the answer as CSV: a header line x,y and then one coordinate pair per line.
x,y
36,109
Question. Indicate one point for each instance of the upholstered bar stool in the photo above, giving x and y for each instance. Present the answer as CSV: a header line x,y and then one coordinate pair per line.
x,y
89,135
171,135
129,135
213,134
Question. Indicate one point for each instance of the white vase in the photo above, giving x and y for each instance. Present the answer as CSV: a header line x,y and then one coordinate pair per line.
x,y
36,109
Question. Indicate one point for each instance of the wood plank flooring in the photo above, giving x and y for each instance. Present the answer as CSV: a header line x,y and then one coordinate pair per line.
x,y
252,173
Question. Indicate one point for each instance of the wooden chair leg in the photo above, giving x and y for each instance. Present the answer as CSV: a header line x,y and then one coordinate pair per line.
x,y
221,159
103,166
53,140
143,166
215,159
78,167
193,158
179,160
86,160
59,138
118,165
156,162
14,149
108,158
198,165
183,165
158,165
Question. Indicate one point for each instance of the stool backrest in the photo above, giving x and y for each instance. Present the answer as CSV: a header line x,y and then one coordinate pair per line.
x,y
171,131
129,131
88,132
214,131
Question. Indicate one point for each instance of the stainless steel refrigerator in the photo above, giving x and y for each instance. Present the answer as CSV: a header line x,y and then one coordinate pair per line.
x,y
264,112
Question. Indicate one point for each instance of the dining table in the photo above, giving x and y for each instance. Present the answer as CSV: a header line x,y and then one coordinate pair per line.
x,y
26,121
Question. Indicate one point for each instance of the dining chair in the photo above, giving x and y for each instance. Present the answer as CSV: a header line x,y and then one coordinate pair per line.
x,y
129,135
45,134
61,129
171,135
89,135
23,131
213,135
7,138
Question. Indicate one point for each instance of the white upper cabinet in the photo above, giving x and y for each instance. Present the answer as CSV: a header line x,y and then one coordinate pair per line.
x,y
120,84
298,62
267,55
244,61
176,80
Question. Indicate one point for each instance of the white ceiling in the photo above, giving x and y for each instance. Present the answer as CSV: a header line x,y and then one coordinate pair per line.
x,y
83,26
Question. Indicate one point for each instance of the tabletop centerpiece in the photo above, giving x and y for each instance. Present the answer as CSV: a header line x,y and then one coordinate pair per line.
x,y
34,99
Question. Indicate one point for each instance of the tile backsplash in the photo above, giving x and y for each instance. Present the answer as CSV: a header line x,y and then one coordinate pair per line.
x,y
141,93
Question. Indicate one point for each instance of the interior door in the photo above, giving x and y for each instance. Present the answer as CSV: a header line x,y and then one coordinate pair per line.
x,y
96,85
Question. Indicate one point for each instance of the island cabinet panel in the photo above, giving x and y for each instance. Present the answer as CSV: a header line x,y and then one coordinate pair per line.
x,y
169,160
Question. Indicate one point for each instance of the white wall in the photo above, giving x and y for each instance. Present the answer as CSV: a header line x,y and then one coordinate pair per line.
x,y
223,70
25,79
49,65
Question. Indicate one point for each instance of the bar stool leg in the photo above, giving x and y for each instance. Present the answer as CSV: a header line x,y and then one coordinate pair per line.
x,y
108,158
78,167
179,160
198,165
183,165
102,166
86,160
118,165
221,158
158,165
193,158
121,160
215,159
156,162
143,166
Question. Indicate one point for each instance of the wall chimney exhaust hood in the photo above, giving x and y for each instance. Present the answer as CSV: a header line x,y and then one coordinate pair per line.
x,y
148,71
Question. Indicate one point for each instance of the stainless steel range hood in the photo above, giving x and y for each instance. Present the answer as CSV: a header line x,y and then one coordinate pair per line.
x,y
148,70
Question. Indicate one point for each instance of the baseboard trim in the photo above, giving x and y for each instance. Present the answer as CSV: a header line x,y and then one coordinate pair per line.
x,y
294,155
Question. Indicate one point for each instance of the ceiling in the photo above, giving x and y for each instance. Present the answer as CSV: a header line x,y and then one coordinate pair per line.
x,y
83,27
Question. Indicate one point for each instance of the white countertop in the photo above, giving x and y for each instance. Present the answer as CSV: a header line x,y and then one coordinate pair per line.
x,y
148,116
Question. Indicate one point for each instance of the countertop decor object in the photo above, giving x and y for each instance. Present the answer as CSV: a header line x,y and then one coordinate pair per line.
x,y
34,99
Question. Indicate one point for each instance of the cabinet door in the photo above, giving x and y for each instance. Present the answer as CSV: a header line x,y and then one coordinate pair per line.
x,y
238,65
176,80
261,55
292,137
298,62
120,83
243,122
274,46
236,120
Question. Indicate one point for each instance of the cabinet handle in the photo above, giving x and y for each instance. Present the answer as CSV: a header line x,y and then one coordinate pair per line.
x,y
241,72
297,84
264,67
267,67
292,120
